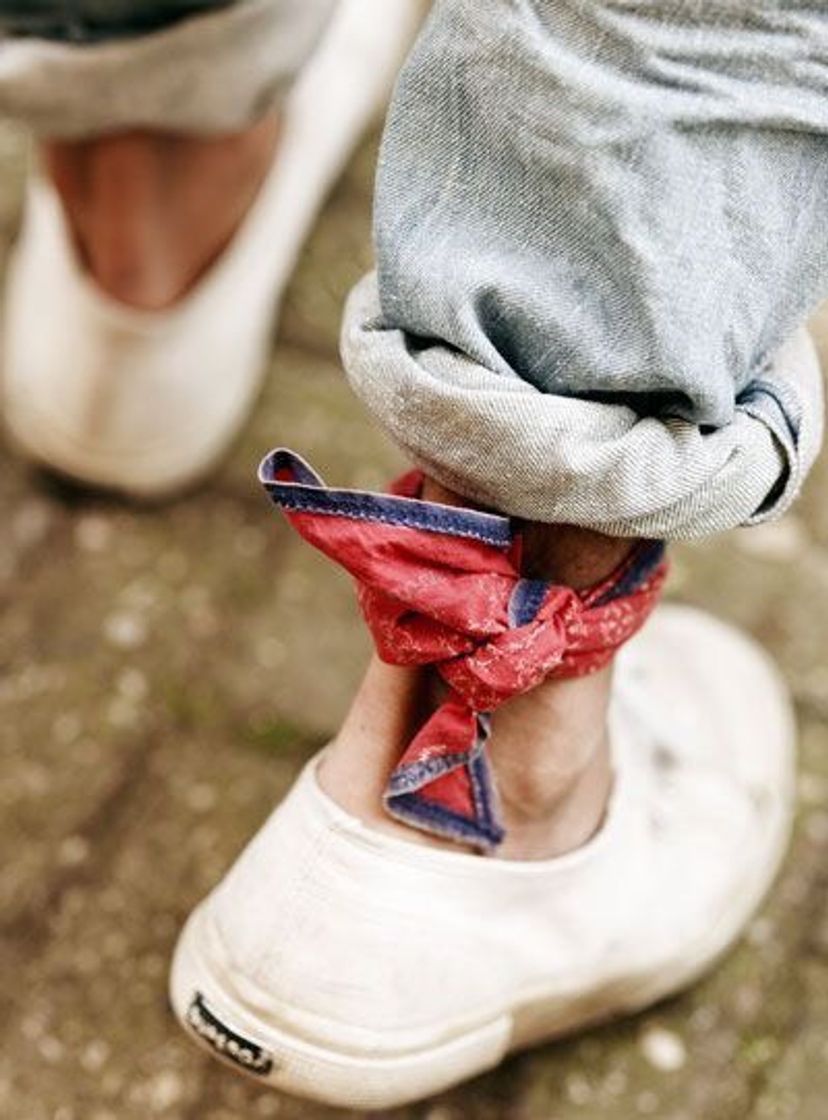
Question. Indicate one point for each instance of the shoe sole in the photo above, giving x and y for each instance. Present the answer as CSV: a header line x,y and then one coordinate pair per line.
x,y
343,1078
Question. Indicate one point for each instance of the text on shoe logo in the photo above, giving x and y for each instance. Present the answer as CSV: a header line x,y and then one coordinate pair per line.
x,y
249,1055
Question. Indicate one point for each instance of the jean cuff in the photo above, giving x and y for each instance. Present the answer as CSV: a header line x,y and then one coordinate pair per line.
x,y
557,459
791,407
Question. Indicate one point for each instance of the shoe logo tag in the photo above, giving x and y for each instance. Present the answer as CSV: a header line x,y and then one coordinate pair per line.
x,y
206,1024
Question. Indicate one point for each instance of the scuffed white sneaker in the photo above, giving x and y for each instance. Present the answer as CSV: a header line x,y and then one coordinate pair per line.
x,y
354,968
147,402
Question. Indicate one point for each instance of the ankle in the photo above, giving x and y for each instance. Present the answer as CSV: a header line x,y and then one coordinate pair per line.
x,y
546,816
540,791
550,754
150,212
386,711
548,749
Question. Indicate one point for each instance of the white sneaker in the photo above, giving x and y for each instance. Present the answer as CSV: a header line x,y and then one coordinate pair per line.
x,y
349,966
148,402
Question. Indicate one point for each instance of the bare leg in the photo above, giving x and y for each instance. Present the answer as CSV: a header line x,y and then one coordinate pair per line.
x,y
151,211
549,748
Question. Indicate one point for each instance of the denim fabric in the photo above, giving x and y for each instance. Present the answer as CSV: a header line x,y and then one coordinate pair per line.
x,y
93,20
215,72
597,223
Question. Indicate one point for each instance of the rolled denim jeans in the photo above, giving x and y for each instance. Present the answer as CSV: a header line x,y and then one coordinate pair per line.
x,y
599,226
78,68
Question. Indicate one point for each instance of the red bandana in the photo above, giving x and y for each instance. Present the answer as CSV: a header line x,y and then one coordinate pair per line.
x,y
440,585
